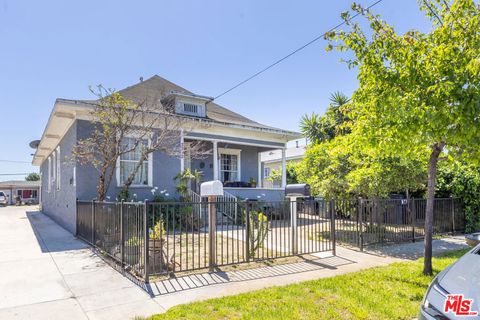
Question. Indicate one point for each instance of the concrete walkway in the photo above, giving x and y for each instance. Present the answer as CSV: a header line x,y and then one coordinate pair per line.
x,y
46,273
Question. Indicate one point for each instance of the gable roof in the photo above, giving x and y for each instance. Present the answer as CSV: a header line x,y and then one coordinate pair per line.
x,y
152,91
156,88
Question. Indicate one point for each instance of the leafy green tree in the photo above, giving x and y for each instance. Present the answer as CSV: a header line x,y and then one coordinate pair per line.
x,y
33,177
339,168
417,91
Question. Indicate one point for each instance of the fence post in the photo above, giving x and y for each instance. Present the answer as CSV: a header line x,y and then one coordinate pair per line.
x,y
146,240
360,218
453,216
122,236
414,218
76,218
333,233
293,225
212,224
247,230
93,223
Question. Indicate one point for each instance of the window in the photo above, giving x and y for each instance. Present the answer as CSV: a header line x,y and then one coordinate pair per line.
x,y
49,174
54,170
129,161
190,108
58,168
74,178
266,172
229,165
27,194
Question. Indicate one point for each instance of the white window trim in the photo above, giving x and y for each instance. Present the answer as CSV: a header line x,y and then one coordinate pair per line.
x,y
74,176
54,171
58,168
49,174
236,152
149,173
267,171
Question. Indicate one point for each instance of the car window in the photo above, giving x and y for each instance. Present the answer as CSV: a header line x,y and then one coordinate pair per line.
x,y
2,194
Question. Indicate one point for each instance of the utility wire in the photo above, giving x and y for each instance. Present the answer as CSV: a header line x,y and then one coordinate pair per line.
x,y
14,174
293,52
15,161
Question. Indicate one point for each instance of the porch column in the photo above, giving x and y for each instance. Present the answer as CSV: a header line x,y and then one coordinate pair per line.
x,y
284,168
260,178
182,152
215,160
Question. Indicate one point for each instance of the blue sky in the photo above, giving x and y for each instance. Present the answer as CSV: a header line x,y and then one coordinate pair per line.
x,y
52,49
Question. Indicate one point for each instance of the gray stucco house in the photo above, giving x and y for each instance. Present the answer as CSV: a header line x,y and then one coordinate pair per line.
x,y
235,140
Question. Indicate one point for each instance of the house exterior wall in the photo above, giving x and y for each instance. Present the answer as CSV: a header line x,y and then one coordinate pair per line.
x,y
266,194
60,204
248,161
165,168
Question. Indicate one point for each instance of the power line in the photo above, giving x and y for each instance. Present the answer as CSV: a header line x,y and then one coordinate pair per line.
x,y
292,53
14,174
15,161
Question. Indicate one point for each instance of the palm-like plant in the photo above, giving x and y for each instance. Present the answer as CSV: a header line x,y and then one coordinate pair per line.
x,y
320,128
184,178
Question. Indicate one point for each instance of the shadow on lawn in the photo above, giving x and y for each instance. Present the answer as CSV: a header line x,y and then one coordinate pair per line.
x,y
195,281
414,251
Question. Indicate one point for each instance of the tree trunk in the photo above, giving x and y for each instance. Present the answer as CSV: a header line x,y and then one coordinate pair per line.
x,y
101,187
432,179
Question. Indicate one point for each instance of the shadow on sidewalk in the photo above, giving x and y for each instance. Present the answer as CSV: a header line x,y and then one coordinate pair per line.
x,y
50,236
196,281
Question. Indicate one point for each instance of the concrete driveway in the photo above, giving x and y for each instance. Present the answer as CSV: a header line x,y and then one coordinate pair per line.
x,y
45,273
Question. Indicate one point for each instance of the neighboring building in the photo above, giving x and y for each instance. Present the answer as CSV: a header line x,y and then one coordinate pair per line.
x,y
28,191
272,160
235,140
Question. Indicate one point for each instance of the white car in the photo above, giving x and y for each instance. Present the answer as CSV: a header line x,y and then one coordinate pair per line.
x,y
455,292
3,198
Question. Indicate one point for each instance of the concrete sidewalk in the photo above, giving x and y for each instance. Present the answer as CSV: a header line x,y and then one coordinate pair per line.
x,y
46,273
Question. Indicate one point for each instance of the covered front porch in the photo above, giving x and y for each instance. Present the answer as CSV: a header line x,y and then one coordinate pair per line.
x,y
237,163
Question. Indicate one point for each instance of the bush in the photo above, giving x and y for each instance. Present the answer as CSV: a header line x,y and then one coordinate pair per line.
x,y
462,181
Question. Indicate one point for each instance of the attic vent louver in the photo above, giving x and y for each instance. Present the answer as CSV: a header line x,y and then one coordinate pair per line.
x,y
190,108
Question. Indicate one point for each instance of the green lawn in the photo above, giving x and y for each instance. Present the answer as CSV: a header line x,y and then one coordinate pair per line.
x,y
390,292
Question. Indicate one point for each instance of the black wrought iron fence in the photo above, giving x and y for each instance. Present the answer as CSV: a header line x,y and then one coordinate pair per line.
x,y
118,230
161,238
181,238
364,222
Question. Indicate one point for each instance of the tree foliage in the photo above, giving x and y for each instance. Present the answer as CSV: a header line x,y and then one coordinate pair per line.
x,y
417,91
323,128
276,174
461,180
340,169
32,177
